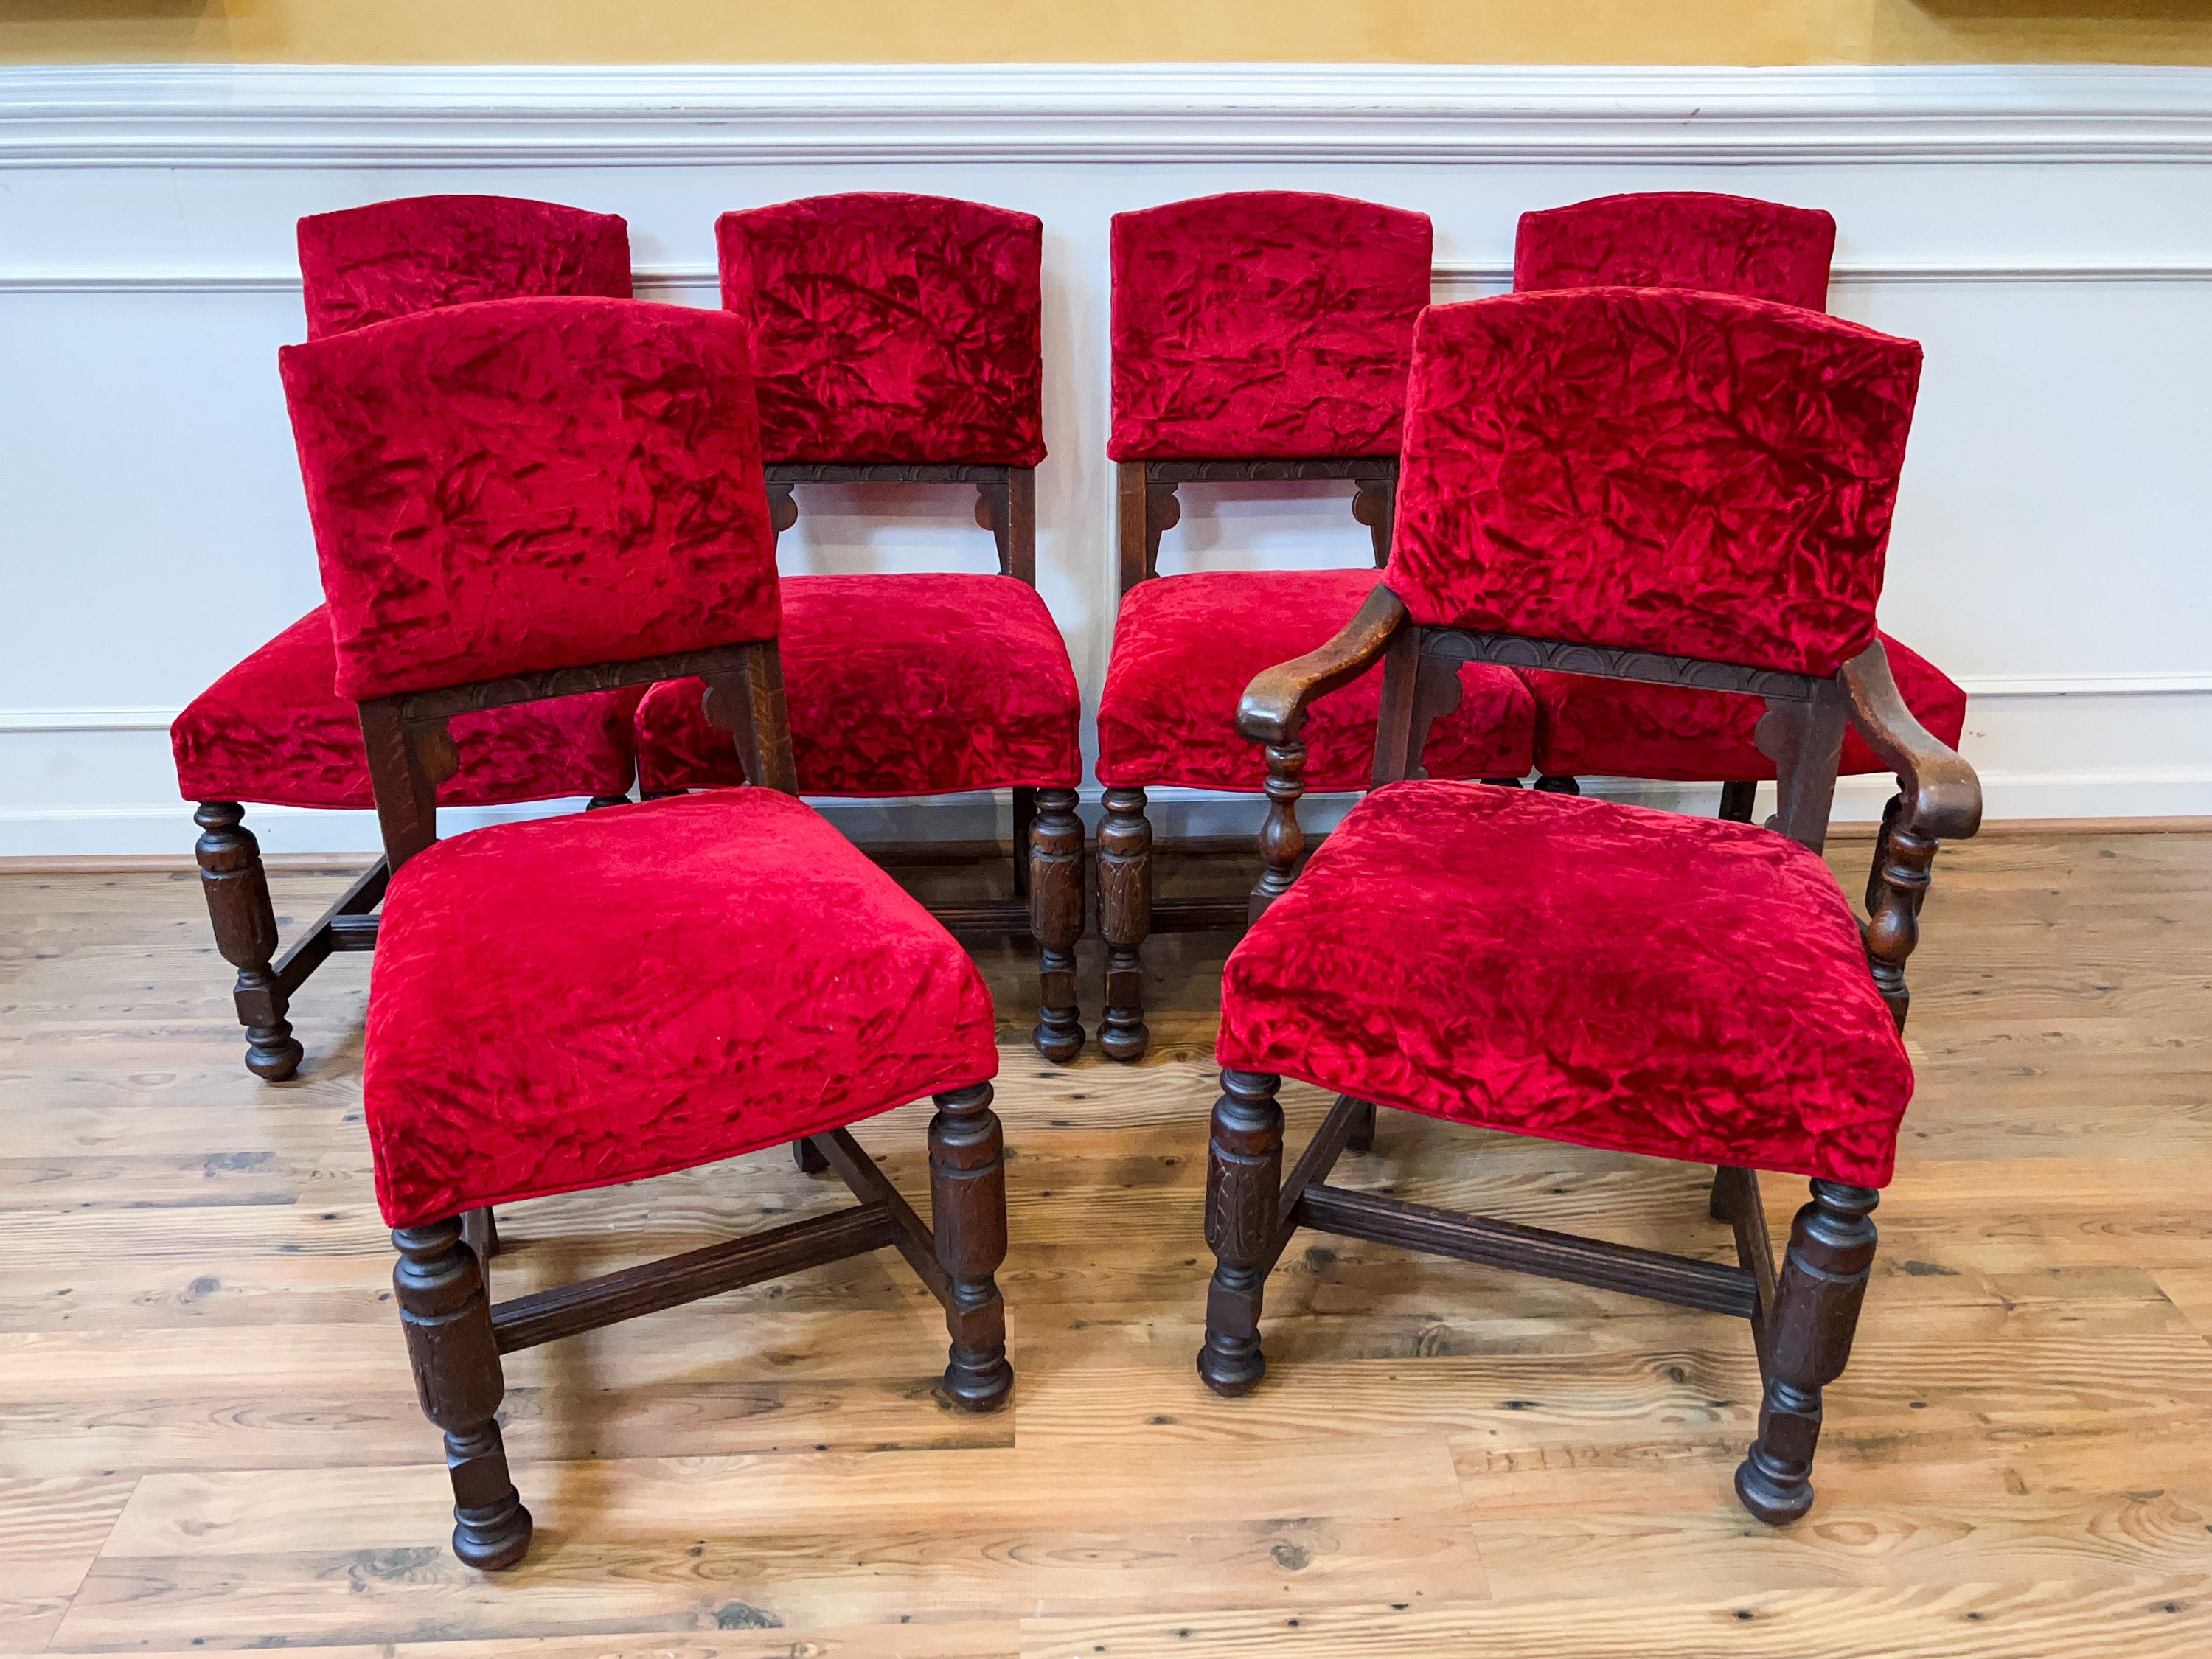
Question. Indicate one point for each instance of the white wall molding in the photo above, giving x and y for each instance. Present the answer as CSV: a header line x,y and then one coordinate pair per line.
x,y
652,280
313,116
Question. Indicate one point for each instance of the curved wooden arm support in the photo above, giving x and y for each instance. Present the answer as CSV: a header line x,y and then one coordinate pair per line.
x,y
1943,798
1940,799
1273,711
1273,707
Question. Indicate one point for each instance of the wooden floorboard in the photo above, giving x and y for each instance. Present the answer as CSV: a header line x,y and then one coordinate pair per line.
x,y
208,1441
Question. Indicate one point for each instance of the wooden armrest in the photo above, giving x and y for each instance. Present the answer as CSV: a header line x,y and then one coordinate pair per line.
x,y
1273,707
1943,796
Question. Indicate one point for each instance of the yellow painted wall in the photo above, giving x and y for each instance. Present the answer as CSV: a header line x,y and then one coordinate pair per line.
x,y
1106,31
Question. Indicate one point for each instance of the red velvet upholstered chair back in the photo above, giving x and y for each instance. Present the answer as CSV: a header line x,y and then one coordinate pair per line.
x,y
1264,324
526,486
1679,239
368,264
1662,469
891,328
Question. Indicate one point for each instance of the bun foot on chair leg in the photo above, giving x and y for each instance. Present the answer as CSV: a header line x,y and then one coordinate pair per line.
x,y
1055,891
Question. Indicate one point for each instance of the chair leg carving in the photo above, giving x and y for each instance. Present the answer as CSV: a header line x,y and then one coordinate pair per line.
x,y
1125,920
968,1216
237,890
1055,856
447,1318
1809,1341
1739,799
1244,1180
1362,1138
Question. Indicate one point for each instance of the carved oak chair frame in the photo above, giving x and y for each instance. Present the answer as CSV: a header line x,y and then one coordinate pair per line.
x,y
456,1334
1128,914
1802,1311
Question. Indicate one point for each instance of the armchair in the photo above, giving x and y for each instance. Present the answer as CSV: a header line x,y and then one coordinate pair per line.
x,y
1578,970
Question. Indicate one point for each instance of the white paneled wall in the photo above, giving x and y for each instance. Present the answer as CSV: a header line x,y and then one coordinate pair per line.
x,y
2046,233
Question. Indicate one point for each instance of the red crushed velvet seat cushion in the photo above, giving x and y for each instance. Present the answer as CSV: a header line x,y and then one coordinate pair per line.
x,y
907,684
1186,646
272,730
1625,729
891,327
598,998
1268,323
1656,469
368,264
530,485
1581,971
1679,239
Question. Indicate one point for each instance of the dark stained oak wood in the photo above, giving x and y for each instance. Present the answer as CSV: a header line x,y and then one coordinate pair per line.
x,y
1809,1334
455,1354
1682,1281
548,1315
237,892
348,925
968,1214
1055,907
1127,915
1739,799
1244,1178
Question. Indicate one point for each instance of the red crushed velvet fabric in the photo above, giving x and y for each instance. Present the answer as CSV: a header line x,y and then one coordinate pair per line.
x,y
1623,729
1581,971
889,327
1679,239
598,998
271,731
369,265
910,684
1658,469
1186,646
530,484
1264,324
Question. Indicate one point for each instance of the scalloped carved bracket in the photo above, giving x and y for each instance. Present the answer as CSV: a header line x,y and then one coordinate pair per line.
x,y
1804,741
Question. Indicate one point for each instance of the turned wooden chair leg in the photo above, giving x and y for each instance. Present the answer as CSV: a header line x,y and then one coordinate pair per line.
x,y
1125,920
967,1216
1362,1138
1243,1179
447,1318
808,1158
1738,800
1055,856
237,890
1553,783
480,1230
1809,1341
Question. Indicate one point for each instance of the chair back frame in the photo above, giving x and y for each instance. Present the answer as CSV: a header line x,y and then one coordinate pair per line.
x,y
1801,731
410,751
1005,497
1145,496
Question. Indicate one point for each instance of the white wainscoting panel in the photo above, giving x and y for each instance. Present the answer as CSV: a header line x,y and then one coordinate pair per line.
x,y
2046,233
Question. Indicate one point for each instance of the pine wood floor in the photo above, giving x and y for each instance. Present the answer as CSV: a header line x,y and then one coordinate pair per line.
x,y
208,1439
